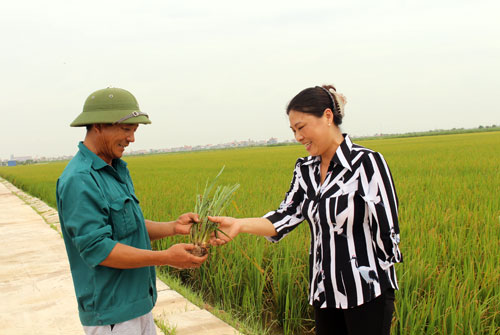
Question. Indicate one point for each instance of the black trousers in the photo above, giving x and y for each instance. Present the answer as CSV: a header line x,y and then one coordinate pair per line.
x,y
374,317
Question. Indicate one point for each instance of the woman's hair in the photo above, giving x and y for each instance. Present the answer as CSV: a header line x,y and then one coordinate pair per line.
x,y
314,100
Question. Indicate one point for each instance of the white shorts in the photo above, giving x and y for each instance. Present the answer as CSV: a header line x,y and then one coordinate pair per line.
x,y
143,325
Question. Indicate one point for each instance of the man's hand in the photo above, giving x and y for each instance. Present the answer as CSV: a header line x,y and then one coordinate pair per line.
x,y
228,225
183,224
178,256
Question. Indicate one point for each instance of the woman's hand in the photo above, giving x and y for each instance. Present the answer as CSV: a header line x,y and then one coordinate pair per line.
x,y
229,229
183,224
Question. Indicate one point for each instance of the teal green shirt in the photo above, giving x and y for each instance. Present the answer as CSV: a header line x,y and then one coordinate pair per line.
x,y
97,209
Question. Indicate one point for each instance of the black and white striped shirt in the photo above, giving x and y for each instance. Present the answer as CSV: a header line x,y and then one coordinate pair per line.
x,y
353,218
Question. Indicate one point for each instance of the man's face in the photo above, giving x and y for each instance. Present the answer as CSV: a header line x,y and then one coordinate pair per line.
x,y
113,139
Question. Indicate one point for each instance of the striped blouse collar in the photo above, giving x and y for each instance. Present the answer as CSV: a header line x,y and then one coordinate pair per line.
x,y
342,155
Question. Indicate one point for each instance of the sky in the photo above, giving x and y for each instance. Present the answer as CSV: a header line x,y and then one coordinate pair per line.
x,y
210,72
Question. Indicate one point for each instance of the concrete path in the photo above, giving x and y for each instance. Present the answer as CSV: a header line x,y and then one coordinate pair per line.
x,y
36,289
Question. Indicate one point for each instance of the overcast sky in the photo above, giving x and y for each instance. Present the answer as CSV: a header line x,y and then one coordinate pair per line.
x,y
209,72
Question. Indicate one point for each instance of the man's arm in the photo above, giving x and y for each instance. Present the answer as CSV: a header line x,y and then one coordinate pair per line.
x,y
123,256
158,230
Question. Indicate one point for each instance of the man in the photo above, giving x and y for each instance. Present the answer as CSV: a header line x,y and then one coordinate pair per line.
x,y
106,236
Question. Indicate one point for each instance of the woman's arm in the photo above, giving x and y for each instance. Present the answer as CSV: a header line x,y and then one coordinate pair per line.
x,y
274,225
380,194
231,227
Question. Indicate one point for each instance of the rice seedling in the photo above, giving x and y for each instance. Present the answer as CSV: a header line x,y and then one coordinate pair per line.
x,y
208,204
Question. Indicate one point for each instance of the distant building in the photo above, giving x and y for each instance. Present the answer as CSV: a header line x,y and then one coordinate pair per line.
x,y
20,158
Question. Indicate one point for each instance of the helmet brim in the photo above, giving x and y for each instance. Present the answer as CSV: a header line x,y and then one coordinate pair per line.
x,y
109,116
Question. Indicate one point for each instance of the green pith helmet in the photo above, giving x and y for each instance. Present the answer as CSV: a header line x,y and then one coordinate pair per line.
x,y
110,105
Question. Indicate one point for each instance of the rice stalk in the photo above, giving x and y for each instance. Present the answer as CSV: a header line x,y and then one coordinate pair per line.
x,y
210,204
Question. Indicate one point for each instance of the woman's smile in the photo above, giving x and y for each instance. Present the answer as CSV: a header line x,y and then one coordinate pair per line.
x,y
307,145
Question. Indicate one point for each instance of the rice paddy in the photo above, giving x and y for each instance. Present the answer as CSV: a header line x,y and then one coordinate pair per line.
x,y
449,193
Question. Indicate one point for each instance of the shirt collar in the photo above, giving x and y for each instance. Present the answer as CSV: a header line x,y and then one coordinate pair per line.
x,y
342,155
97,162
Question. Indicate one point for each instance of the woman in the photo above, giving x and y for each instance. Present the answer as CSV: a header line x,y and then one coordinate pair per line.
x,y
347,195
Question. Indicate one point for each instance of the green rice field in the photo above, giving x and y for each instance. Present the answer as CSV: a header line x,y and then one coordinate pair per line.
x,y
449,194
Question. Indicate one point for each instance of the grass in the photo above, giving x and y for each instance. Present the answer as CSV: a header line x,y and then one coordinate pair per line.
x,y
448,187
165,327
243,324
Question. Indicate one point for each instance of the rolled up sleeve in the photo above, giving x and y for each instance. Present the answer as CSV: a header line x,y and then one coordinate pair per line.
x,y
289,215
84,214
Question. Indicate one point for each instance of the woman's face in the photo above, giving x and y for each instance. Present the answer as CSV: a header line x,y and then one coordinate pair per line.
x,y
315,133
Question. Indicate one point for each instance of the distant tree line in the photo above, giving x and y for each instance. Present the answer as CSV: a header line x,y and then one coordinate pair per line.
x,y
481,128
435,132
